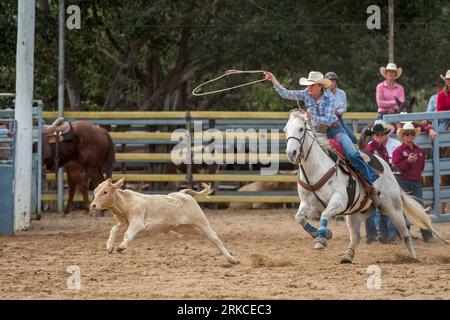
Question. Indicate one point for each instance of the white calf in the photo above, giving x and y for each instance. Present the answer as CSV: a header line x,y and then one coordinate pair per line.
x,y
176,211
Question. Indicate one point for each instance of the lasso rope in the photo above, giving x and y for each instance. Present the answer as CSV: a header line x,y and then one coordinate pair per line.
x,y
227,73
230,72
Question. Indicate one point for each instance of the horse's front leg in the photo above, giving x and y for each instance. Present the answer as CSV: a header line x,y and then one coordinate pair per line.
x,y
353,223
335,206
303,211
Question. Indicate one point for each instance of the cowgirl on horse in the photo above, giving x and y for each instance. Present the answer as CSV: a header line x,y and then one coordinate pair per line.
x,y
321,107
333,189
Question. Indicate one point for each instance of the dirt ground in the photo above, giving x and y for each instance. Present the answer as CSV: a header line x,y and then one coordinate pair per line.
x,y
277,261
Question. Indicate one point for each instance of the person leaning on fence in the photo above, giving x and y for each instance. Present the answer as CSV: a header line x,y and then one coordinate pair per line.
x,y
409,161
341,103
321,109
443,100
388,90
378,226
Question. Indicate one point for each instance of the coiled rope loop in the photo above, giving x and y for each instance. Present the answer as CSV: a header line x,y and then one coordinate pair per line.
x,y
227,73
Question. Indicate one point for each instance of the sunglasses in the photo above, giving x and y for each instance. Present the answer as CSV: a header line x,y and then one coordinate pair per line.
x,y
408,134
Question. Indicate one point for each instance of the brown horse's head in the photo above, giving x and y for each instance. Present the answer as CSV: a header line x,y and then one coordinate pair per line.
x,y
407,105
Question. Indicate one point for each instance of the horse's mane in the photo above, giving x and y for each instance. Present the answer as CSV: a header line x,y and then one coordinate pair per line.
x,y
321,138
323,141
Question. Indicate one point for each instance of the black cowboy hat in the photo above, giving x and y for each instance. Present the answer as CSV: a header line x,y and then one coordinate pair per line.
x,y
379,126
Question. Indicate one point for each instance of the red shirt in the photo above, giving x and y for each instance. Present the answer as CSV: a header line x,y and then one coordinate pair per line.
x,y
379,150
443,101
408,171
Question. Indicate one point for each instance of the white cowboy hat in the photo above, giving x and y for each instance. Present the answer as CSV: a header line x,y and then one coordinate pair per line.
x,y
393,67
315,77
447,75
407,126
380,126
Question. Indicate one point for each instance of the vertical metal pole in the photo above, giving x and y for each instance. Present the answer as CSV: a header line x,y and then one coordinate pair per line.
x,y
436,174
23,114
39,160
391,30
61,96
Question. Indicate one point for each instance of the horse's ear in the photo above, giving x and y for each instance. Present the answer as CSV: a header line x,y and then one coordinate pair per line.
x,y
108,180
399,103
118,184
304,117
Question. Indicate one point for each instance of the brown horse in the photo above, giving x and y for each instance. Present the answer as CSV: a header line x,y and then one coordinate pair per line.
x,y
76,179
89,145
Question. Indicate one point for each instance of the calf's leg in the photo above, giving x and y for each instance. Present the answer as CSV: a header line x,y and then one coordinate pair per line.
x,y
112,238
205,227
133,228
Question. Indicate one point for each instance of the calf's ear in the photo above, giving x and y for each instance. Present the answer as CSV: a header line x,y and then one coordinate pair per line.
x,y
118,184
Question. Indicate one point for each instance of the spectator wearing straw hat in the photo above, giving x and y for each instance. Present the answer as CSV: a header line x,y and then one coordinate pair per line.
x,y
443,99
388,90
341,103
409,159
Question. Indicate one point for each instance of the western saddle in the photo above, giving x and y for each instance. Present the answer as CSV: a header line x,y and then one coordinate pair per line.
x,y
59,131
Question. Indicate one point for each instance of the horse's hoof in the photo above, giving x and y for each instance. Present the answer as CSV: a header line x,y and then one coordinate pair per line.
x,y
328,236
346,259
120,249
321,243
110,250
233,260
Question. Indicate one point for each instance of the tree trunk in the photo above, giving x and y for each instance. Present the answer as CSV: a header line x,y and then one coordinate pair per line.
x,y
72,86
113,97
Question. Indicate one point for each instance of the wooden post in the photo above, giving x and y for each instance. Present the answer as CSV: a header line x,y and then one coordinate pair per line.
x,y
60,183
391,30
23,114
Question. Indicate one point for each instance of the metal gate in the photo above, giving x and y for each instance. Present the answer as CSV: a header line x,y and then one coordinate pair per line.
x,y
7,148
8,131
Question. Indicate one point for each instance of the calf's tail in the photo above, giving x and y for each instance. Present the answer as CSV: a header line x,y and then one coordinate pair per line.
x,y
207,189
416,214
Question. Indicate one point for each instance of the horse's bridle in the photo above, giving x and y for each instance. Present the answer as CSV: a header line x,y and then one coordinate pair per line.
x,y
302,141
308,183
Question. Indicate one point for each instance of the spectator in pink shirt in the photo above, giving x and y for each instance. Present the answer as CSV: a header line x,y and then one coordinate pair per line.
x,y
389,90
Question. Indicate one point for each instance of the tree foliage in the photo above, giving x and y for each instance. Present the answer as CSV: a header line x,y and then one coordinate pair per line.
x,y
141,55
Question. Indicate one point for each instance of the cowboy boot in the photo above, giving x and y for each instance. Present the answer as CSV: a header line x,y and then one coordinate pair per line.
x,y
374,195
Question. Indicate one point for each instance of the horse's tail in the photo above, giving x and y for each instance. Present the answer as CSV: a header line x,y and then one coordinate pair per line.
x,y
110,158
207,190
417,215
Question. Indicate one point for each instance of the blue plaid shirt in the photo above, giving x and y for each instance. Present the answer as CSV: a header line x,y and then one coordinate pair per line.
x,y
323,111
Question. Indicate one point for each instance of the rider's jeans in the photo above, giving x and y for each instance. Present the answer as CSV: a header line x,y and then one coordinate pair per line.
x,y
352,154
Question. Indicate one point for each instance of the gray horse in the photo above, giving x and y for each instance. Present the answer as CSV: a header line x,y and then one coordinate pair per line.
x,y
309,150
